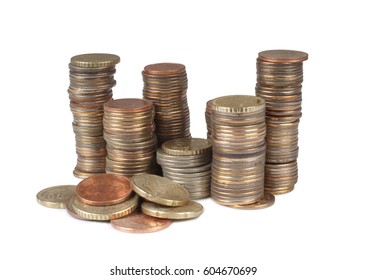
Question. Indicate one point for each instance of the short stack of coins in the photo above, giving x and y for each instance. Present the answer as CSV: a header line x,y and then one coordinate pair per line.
x,y
208,118
238,139
279,83
187,161
129,134
91,82
165,84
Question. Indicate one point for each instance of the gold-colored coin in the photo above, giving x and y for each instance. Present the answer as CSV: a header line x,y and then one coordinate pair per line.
x,y
189,211
160,190
238,104
187,146
95,60
56,197
104,213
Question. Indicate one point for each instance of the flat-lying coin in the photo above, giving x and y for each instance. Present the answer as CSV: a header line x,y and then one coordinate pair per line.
x,y
189,211
104,189
104,213
160,190
138,222
267,201
56,197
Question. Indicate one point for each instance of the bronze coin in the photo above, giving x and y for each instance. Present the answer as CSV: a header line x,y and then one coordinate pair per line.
x,y
132,105
283,56
103,189
164,69
138,222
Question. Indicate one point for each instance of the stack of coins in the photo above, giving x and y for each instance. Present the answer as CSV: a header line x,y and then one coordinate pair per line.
x,y
164,198
165,84
187,161
104,197
91,82
129,133
238,139
279,82
208,118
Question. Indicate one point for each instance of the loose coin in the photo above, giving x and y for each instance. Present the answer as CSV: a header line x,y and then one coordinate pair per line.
x,y
160,190
104,213
191,210
55,197
267,201
138,222
104,189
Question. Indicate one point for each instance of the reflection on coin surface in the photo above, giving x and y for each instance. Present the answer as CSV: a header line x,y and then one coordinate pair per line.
x,y
55,197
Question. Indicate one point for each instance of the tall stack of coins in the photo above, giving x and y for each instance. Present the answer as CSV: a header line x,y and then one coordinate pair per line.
x,y
208,118
129,133
91,82
165,84
279,82
187,161
238,138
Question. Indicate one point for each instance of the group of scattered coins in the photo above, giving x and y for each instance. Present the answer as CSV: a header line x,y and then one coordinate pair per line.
x,y
116,198
250,152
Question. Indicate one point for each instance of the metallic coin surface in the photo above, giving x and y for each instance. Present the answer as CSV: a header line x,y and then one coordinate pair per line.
x,y
187,146
160,190
104,213
95,60
138,222
237,104
267,201
283,56
56,197
70,209
104,189
189,211
164,69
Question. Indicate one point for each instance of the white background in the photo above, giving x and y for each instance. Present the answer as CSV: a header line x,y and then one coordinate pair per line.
x,y
316,232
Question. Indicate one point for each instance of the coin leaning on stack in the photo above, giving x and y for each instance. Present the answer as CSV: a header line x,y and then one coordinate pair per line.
x,y
129,134
187,161
279,83
208,118
91,83
238,123
165,84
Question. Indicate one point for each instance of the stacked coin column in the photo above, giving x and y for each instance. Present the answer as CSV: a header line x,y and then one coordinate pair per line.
x,y
279,82
165,84
238,124
208,118
91,82
129,133
187,161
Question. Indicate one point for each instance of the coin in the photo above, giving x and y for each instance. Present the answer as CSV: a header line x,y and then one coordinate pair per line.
x,y
55,197
103,189
70,209
138,222
95,60
104,213
267,201
283,56
237,104
187,146
189,211
160,190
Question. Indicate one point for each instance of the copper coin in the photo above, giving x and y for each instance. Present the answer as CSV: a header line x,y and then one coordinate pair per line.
x,y
133,105
70,209
283,56
138,222
103,189
164,68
